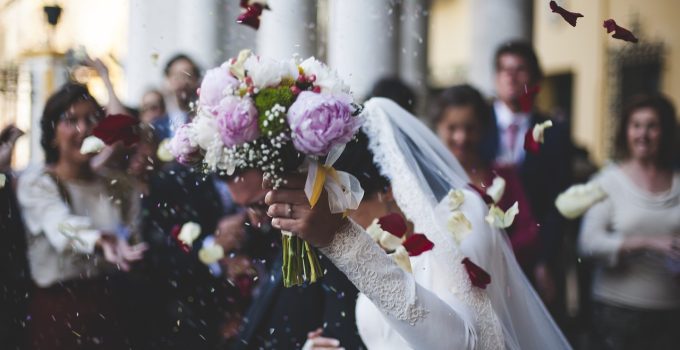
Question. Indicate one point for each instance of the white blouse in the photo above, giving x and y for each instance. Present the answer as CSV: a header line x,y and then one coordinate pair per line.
x,y
643,279
61,238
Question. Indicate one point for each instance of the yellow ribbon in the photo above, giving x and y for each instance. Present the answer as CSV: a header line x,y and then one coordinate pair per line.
x,y
322,173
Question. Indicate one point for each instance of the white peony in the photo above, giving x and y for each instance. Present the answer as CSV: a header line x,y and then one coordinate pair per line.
x,y
189,232
459,226
497,188
92,144
456,199
327,79
267,72
500,219
573,202
400,256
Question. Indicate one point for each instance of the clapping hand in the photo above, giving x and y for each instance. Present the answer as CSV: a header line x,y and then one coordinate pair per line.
x,y
8,137
119,252
290,211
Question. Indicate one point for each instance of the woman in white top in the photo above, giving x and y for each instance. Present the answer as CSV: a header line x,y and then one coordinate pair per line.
x,y
634,234
437,306
72,216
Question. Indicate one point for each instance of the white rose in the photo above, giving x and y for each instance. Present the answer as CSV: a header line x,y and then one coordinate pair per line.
x,y
573,202
497,188
327,79
459,226
189,232
456,199
497,218
204,131
266,72
92,144
400,256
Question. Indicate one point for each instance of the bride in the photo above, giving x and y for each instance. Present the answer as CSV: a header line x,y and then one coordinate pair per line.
x,y
404,169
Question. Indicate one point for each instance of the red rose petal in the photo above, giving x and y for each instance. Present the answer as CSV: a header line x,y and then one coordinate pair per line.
x,y
485,196
526,100
619,32
531,145
175,236
478,276
251,17
417,244
117,127
394,224
568,16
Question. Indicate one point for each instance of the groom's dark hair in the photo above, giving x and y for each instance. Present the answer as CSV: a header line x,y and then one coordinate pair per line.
x,y
357,159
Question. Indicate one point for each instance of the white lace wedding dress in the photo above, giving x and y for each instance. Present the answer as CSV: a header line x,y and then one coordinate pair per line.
x,y
436,307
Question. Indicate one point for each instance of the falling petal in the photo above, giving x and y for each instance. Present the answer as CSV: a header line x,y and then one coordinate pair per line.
x,y
92,144
497,188
3,179
568,16
535,137
417,244
478,277
211,254
526,100
619,32
401,257
456,199
500,219
459,226
577,199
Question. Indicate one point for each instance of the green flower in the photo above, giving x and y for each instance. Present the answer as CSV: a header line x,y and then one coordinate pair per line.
x,y
272,104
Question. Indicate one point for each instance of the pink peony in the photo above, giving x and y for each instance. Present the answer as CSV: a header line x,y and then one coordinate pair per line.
x,y
181,147
320,121
216,83
237,121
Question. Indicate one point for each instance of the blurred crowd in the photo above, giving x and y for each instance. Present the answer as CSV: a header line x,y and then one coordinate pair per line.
x,y
90,257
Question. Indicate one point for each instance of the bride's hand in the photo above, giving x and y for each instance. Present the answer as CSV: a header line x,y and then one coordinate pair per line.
x,y
290,211
316,342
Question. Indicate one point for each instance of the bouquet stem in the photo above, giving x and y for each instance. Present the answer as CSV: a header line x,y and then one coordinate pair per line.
x,y
300,262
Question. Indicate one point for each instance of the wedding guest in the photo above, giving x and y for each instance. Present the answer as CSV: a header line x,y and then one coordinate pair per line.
x,y
72,216
152,106
184,289
396,90
634,234
182,78
461,119
8,138
544,174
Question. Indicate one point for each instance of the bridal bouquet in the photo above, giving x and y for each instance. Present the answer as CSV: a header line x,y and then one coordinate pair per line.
x,y
277,116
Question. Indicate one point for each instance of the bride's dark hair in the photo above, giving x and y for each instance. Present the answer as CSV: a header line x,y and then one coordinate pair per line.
x,y
357,159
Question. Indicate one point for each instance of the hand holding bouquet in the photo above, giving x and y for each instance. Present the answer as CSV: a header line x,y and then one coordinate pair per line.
x,y
278,117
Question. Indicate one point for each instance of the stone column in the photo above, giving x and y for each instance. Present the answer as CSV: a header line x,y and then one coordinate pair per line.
x,y
362,42
235,37
196,30
288,29
413,48
493,23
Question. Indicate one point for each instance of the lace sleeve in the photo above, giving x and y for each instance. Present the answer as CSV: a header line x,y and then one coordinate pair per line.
x,y
419,316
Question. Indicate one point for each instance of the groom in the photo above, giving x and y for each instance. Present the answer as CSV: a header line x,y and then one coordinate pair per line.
x,y
280,318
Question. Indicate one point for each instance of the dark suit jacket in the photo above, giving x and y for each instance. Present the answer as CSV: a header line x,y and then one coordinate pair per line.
x,y
190,302
544,175
280,317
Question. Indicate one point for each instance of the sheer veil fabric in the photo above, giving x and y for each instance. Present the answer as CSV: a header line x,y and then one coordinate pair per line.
x,y
422,172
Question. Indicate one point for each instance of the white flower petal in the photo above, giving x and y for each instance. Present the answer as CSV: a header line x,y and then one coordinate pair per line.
x,y
236,68
400,256
573,202
163,153
459,226
497,188
92,144
211,254
456,199
189,232
539,130
390,241
497,218
374,230
3,179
